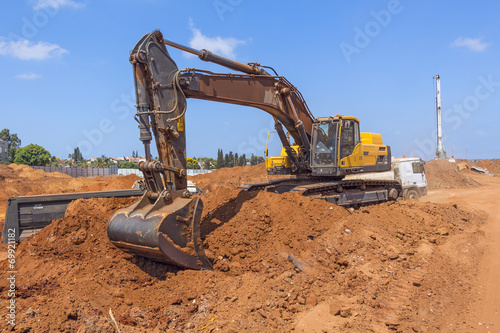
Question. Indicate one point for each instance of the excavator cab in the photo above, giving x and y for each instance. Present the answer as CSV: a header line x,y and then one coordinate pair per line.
x,y
338,148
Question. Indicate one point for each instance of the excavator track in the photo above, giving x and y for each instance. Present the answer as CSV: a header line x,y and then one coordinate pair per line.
x,y
340,192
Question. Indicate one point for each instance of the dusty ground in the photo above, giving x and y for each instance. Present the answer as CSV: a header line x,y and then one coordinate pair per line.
x,y
485,303
400,266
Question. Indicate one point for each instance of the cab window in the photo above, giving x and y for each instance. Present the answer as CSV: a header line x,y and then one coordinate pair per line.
x,y
324,144
349,137
417,167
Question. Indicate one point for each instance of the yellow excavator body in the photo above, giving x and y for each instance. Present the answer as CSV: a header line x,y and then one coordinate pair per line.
x,y
353,150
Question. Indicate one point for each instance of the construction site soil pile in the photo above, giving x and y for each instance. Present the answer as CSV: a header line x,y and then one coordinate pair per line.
x,y
19,180
445,174
281,262
492,166
233,177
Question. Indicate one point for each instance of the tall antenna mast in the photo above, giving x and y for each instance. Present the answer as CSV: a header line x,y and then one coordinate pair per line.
x,y
440,153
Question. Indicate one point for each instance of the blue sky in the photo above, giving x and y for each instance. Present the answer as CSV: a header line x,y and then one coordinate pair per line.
x,y
65,79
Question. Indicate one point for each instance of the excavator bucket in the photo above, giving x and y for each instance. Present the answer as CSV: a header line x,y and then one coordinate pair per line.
x,y
166,230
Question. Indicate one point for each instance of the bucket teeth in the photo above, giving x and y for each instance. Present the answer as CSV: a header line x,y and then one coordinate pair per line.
x,y
167,230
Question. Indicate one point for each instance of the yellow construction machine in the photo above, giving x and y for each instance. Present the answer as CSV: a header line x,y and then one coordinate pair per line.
x,y
164,224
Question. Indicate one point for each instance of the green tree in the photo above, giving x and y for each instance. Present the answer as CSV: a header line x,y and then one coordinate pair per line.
x,y
220,159
107,161
226,161
253,160
192,163
77,155
32,155
97,163
129,165
13,141
242,160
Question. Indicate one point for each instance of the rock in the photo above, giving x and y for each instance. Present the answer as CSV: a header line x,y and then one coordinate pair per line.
x,y
345,313
256,267
71,314
393,255
301,300
192,308
392,324
335,309
223,266
311,300
79,237
443,232
175,300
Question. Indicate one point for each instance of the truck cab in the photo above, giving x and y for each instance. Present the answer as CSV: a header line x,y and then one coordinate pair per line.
x,y
411,174
408,171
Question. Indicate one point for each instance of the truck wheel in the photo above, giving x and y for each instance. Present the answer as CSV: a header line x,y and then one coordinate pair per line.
x,y
412,194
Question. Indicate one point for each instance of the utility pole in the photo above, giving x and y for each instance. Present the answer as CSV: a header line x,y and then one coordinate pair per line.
x,y
440,153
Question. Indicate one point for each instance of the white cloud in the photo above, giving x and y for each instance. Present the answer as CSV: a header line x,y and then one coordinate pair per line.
x,y
55,4
26,50
28,76
473,44
221,45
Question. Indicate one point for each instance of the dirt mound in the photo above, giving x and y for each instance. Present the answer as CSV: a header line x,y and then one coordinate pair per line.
x,y
491,166
445,174
19,180
232,177
280,262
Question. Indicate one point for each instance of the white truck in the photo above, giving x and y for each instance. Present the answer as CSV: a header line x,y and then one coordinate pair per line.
x,y
409,171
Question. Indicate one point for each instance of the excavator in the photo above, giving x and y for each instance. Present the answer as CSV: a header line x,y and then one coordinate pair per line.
x,y
164,225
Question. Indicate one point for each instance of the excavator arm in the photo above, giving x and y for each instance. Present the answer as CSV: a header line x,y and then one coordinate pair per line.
x,y
162,90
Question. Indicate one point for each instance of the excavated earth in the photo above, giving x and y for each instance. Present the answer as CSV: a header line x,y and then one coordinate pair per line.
x,y
445,174
491,166
18,180
281,263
